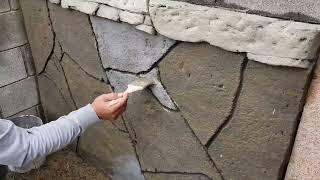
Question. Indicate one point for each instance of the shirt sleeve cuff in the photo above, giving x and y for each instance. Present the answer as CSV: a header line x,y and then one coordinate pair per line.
x,y
85,117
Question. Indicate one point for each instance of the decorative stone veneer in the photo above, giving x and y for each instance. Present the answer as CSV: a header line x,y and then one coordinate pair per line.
x,y
18,89
213,113
268,40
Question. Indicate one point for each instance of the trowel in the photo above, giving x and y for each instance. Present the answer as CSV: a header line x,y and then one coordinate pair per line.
x,y
137,85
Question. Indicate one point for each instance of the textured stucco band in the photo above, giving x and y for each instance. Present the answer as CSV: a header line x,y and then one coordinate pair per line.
x,y
267,40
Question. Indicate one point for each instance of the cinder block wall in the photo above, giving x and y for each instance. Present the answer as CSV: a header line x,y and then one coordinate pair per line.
x,y
18,89
229,87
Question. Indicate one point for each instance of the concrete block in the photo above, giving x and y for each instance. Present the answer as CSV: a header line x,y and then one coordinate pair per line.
x,y
11,66
18,96
12,30
4,6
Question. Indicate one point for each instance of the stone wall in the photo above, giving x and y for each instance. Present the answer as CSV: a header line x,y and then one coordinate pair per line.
x,y
229,87
18,89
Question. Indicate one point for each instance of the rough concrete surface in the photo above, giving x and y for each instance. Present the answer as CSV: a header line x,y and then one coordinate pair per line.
x,y
17,97
305,158
172,176
14,4
84,89
203,81
256,140
235,31
64,165
124,48
164,142
12,30
38,29
73,31
306,11
11,66
108,148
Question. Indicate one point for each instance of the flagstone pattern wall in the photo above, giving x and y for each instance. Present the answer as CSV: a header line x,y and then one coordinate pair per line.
x,y
18,89
229,86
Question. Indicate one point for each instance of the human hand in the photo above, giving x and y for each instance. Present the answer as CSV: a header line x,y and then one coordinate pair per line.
x,y
110,106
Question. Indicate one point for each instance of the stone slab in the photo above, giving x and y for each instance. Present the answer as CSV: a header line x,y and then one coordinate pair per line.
x,y
203,81
172,176
35,111
139,6
255,142
12,30
118,79
74,33
11,66
39,31
164,141
4,6
53,103
306,11
56,74
111,150
108,12
124,48
84,89
305,158
87,7
235,31
131,18
28,59
18,97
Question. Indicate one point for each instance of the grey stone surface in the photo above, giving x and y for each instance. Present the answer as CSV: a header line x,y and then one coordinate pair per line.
x,y
73,31
120,81
28,59
203,80
125,48
57,50
200,2
18,97
14,4
35,111
172,176
306,11
164,141
11,66
111,150
255,143
12,30
4,6
53,103
84,89
39,31
55,73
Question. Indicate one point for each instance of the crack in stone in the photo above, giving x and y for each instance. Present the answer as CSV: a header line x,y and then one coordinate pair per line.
x,y
66,80
285,162
13,47
234,104
97,44
61,93
175,172
54,39
203,147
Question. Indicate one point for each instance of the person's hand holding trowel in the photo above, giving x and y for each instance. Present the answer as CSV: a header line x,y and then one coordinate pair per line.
x,y
110,106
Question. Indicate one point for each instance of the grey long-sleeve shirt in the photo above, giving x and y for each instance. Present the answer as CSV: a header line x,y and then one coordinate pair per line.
x,y
19,146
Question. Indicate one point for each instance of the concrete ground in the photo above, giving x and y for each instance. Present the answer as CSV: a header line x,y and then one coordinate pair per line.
x,y
64,165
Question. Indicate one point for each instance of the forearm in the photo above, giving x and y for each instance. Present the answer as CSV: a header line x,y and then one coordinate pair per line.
x,y
24,145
